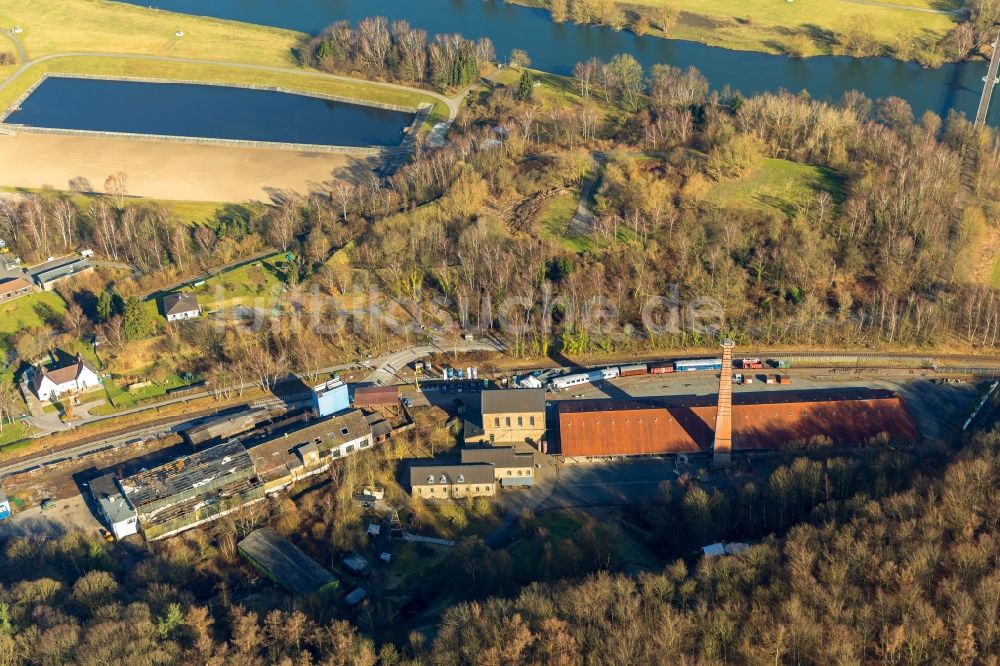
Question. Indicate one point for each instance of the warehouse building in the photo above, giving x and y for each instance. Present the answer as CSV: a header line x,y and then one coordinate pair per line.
x,y
284,563
510,468
288,457
330,397
193,489
842,417
508,416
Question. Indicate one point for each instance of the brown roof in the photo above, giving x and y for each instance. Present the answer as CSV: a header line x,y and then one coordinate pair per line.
x,y
14,284
512,401
760,421
330,432
370,396
62,375
500,456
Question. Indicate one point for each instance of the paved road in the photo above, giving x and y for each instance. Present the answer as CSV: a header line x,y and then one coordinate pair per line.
x,y
22,55
452,103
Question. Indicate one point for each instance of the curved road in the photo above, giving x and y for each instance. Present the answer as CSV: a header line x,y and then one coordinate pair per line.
x,y
452,103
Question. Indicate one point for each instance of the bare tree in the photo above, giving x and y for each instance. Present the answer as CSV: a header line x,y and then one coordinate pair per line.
x,y
116,186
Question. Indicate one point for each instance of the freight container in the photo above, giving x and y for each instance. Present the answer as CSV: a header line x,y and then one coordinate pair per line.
x,y
780,363
769,379
784,379
748,380
661,368
751,364
633,370
698,364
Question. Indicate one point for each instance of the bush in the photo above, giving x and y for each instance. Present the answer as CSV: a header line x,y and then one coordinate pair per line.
x,y
7,58
734,158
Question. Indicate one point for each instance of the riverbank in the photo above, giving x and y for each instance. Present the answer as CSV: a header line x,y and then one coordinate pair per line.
x,y
904,29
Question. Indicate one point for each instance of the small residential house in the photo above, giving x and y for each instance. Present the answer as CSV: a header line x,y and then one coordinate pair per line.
x,y
115,509
509,415
74,378
14,288
452,481
180,306
510,468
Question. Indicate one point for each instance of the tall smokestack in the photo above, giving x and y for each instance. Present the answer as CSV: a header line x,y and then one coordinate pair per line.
x,y
722,448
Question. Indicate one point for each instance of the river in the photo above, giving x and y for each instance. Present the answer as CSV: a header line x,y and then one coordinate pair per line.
x,y
206,111
557,48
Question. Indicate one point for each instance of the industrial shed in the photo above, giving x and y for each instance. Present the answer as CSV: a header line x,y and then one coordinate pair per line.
x,y
376,396
760,421
284,563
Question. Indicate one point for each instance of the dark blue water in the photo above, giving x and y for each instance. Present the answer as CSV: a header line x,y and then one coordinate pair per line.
x,y
556,48
217,112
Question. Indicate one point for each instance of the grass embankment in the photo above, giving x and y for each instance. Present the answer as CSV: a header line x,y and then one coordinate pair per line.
x,y
67,26
812,26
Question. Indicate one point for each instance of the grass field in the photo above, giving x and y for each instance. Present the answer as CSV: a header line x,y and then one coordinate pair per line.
x,y
244,284
773,26
994,278
14,437
31,311
554,222
63,26
777,185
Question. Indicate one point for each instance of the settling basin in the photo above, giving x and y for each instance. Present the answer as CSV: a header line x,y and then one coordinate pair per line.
x,y
206,112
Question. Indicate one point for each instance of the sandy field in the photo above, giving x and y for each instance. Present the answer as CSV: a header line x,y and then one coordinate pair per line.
x,y
177,171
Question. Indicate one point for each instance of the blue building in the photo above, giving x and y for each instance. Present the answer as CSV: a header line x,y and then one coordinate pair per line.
x,y
330,397
4,505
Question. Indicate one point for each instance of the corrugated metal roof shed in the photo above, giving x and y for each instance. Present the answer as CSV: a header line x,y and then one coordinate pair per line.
x,y
512,401
760,421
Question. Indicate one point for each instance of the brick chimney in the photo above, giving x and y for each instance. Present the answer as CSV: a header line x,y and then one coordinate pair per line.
x,y
722,448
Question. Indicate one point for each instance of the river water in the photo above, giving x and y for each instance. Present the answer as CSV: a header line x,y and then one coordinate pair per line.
x,y
205,111
556,48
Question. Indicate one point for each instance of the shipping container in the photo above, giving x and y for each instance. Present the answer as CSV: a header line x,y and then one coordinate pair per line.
x,y
633,370
780,363
751,364
784,379
661,368
769,379
698,364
